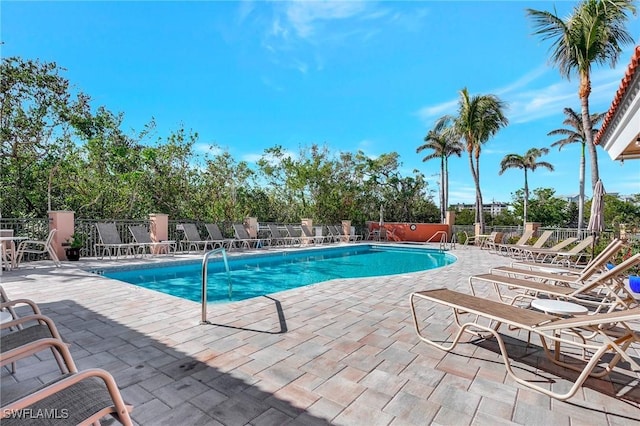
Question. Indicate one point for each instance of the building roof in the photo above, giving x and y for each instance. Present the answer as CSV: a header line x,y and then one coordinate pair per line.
x,y
618,107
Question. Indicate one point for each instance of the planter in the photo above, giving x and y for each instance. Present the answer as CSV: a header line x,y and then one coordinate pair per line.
x,y
73,253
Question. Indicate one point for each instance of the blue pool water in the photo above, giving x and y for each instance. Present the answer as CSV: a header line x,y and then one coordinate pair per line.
x,y
257,275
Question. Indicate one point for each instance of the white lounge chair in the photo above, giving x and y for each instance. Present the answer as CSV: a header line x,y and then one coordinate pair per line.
x,y
607,348
38,247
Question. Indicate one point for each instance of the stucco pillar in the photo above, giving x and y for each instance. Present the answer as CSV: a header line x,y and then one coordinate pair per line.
x,y
346,230
63,221
450,217
450,220
251,223
159,229
532,226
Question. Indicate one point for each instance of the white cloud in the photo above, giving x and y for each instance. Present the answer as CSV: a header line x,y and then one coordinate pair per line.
x,y
207,148
529,100
305,16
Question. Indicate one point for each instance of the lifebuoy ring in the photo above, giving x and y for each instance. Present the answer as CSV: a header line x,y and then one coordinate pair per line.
x,y
413,227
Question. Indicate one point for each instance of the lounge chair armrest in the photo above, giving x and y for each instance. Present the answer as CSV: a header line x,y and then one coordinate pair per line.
x,y
37,317
39,345
14,302
121,410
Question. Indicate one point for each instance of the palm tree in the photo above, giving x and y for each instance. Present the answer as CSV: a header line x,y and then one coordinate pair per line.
x,y
593,33
573,135
526,162
479,118
443,144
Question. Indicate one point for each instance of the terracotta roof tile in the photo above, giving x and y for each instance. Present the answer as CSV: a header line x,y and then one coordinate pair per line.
x,y
634,66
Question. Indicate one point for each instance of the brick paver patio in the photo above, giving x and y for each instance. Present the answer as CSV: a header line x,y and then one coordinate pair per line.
x,y
342,352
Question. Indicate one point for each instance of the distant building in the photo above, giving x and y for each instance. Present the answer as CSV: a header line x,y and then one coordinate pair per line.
x,y
493,208
570,198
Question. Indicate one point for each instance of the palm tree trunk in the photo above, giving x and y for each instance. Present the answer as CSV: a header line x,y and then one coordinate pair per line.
x,y
475,180
581,193
442,170
526,197
585,90
446,184
479,193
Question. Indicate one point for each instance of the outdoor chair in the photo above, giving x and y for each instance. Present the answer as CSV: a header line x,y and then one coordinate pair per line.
x,y
8,249
244,239
26,332
346,236
568,257
193,240
9,305
295,236
84,397
215,235
111,244
532,255
471,312
143,238
308,237
516,251
277,238
545,271
503,248
605,291
38,247
334,235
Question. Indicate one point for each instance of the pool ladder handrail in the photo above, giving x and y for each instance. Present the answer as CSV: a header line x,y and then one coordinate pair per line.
x,y
443,239
205,260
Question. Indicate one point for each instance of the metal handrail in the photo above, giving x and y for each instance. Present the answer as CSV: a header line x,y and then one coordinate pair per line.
x,y
205,260
443,239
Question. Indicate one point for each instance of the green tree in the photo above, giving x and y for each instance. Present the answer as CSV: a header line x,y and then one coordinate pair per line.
x,y
34,107
576,134
479,118
544,207
443,144
593,33
526,162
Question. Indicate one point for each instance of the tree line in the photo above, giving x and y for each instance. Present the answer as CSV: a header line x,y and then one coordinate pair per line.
x,y
59,154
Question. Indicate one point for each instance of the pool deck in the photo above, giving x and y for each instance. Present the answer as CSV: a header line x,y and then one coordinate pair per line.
x,y
343,352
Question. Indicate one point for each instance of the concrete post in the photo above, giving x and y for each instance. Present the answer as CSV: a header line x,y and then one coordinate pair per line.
x,y
251,223
346,230
477,230
450,220
64,224
159,229
532,226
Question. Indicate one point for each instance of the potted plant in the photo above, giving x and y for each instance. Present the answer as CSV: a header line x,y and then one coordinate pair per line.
x,y
73,245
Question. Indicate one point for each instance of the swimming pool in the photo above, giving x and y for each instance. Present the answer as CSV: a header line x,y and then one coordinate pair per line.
x,y
258,275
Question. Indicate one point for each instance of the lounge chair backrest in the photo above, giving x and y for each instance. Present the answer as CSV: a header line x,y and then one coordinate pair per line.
x,y
241,232
214,231
108,233
597,263
306,231
140,234
292,232
615,272
524,238
581,245
562,244
273,229
191,232
543,239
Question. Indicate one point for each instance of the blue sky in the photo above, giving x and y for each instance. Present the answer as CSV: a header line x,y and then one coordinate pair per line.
x,y
352,75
